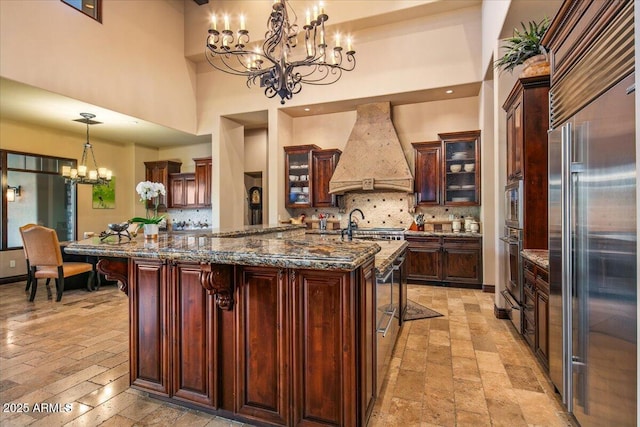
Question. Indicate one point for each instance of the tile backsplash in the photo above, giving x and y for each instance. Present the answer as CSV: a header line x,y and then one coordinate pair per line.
x,y
198,218
388,209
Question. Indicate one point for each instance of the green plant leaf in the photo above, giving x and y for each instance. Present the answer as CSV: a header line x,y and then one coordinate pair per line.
x,y
523,45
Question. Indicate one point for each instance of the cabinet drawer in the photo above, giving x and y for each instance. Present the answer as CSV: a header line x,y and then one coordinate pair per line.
x,y
541,284
424,241
462,242
528,266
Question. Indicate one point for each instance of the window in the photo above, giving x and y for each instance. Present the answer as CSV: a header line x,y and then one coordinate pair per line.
x,y
92,8
43,197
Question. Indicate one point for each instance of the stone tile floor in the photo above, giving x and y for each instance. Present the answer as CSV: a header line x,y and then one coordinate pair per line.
x,y
466,368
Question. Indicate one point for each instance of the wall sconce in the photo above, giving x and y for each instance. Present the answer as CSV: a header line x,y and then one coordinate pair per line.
x,y
12,193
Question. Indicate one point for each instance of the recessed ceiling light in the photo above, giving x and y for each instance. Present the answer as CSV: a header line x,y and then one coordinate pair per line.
x,y
449,91
307,109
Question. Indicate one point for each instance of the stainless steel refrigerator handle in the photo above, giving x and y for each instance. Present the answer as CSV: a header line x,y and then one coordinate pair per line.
x,y
565,201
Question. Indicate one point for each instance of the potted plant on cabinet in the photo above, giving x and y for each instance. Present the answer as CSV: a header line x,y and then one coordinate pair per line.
x,y
524,48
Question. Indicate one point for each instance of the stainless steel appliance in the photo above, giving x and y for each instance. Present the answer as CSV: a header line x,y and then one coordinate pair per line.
x,y
513,294
389,312
400,275
593,255
513,238
387,298
513,205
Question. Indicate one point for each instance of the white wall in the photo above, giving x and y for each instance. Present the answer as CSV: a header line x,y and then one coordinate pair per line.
x,y
133,63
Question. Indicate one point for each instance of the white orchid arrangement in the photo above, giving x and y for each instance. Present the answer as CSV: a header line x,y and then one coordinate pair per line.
x,y
149,190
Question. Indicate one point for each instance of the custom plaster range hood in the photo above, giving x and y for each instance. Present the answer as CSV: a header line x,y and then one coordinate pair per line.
x,y
373,158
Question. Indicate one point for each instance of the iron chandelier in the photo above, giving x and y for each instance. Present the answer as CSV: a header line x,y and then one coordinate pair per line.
x,y
83,175
276,66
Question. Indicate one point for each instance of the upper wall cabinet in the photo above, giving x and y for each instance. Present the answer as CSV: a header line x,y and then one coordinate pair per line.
x,y
308,170
298,175
447,172
428,172
527,110
203,181
159,172
323,165
461,152
182,190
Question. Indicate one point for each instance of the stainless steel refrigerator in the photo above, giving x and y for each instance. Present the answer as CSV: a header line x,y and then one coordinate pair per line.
x,y
592,259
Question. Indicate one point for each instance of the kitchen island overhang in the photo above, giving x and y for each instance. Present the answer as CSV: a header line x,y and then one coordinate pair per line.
x,y
272,329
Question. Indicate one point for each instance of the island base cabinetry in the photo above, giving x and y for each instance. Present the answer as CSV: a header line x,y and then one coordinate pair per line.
x,y
292,347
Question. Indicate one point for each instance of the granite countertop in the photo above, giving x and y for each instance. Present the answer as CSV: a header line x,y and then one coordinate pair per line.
x,y
407,233
272,246
538,256
389,249
441,233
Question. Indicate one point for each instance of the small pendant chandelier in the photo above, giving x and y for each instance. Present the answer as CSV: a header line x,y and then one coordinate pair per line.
x,y
84,175
276,66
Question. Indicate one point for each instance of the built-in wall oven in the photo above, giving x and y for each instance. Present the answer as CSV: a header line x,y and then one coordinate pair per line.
x,y
513,214
513,235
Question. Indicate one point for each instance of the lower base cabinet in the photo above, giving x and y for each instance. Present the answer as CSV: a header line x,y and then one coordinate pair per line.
x,y
296,346
536,328
441,259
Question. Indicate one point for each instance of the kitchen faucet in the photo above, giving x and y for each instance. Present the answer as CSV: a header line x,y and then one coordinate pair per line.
x,y
351,226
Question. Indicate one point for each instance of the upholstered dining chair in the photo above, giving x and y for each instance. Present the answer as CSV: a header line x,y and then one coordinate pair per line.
x,y
42,249
26,257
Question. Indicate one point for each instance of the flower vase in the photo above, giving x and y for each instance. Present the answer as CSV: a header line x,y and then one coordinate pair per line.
x,y
151,231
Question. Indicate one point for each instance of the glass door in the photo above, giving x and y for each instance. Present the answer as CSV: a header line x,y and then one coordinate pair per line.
x,y
462,168
298,175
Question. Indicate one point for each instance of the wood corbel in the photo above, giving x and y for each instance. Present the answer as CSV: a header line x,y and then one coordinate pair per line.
x,y
115,269
216,280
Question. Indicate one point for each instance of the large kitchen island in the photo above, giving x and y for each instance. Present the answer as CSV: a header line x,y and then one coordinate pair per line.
x,y
266,324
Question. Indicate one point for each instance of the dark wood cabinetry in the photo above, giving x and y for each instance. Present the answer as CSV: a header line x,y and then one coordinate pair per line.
x,y
203,181
456,260
149,332
428,174
323,164
182,190
527,108
462,260
424,258
298,175
159,172
296,347
262,344
536,310
447,172
308,170
328,320
193,324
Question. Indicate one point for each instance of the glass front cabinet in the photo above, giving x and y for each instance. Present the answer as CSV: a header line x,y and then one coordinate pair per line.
x,y
461,152
298,161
